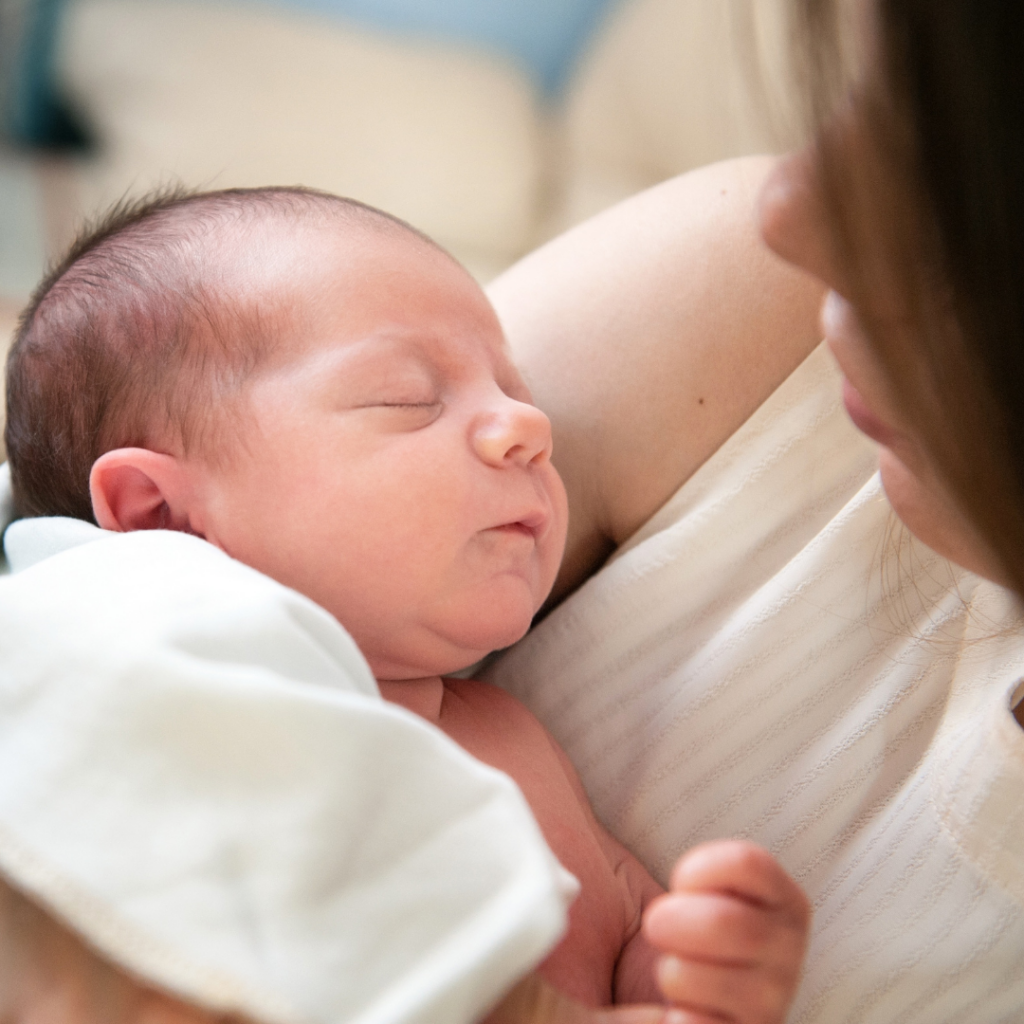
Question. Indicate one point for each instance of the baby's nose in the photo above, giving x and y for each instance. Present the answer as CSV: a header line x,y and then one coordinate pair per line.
x,y
514,433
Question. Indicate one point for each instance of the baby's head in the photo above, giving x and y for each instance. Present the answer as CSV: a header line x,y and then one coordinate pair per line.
x,y
315,388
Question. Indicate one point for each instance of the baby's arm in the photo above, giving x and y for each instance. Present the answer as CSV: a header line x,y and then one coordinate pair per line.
x,y
636,970
733,930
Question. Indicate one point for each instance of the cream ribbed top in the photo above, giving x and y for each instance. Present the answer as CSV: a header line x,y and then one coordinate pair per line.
x,y
749,665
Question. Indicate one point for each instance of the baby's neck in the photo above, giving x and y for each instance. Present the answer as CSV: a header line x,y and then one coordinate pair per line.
x,y
422,697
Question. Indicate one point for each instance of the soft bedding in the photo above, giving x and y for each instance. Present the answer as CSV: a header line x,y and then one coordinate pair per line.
x,y
198,774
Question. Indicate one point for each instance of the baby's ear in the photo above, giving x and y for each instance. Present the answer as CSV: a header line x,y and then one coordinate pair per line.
x,y
137,489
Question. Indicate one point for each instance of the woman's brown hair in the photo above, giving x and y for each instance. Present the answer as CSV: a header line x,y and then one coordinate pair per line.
x,y
929,225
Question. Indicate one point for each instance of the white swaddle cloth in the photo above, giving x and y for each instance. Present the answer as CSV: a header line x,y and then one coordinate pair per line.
x,y
197,773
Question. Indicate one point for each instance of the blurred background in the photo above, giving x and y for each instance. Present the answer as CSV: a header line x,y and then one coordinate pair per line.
x,y
490,124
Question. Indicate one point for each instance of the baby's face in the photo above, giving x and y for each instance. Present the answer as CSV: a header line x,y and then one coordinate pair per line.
x,y
390,464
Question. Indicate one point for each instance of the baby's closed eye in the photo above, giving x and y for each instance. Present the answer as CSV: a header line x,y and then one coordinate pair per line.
x,y
403,413
407,404
400,388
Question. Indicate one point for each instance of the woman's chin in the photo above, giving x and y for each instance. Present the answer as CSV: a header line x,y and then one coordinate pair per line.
x,y
927,511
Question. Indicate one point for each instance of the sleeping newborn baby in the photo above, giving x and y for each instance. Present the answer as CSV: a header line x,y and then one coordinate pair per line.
x,y
324,394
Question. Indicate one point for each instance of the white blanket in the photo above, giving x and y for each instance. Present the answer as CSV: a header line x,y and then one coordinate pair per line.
x,y
198,774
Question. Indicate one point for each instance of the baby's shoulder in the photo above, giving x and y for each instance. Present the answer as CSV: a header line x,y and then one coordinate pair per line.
x,y
482,715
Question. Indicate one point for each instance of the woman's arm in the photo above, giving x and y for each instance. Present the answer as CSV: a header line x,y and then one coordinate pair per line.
x,y
649,334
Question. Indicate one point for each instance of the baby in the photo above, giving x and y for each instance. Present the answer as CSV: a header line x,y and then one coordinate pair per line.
x,y
324,394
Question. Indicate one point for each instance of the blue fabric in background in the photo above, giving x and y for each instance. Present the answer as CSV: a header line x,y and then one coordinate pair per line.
x,y
543,36
31,111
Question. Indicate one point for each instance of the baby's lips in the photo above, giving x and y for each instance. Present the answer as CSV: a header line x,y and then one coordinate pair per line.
x,y
535,521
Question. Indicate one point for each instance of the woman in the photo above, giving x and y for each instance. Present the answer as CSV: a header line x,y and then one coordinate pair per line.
x,y
764,657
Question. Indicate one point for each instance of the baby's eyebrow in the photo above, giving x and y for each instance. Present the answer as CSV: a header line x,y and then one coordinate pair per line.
x,y
367,349
368,362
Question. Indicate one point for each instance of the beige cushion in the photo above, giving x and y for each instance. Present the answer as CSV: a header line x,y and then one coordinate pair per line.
x,y
444,136
670,85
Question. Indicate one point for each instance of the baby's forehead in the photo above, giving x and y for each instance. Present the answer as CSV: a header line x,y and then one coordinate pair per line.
x,y
329,294
328,256
367,272
283,271
353,229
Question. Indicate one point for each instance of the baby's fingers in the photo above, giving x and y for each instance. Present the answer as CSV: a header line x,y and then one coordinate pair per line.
x,y
743,870
722,993
533,1001
734,926
713,927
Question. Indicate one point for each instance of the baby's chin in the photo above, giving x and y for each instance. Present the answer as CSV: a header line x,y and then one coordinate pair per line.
x,y
501,633
445,652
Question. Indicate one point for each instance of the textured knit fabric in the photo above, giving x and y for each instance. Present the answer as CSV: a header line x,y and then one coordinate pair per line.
x,y
197,773
772,657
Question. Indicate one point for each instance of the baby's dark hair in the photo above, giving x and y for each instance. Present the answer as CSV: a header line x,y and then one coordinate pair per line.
x,y
128,337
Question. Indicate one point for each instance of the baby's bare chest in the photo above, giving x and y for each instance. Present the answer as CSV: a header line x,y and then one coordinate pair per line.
x,y
499,731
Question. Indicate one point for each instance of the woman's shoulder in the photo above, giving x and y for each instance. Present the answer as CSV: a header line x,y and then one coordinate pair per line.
x,y
649,334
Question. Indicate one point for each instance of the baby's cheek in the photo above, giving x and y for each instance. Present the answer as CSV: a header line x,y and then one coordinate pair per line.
x,y
555,542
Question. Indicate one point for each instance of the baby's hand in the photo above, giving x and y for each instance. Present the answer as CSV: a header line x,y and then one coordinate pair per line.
x,y
535,1001
733,927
